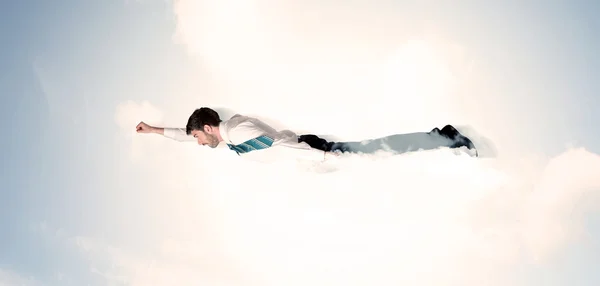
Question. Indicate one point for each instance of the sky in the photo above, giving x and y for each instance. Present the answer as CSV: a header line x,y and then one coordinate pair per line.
x,y
87,201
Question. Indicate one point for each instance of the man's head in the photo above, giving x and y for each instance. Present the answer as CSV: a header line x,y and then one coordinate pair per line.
x,y
203,124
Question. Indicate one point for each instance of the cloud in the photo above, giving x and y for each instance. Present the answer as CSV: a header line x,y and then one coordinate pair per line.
x,y
168,262
384,221
129,114
358,220
9,278
389,217
560,201
327,63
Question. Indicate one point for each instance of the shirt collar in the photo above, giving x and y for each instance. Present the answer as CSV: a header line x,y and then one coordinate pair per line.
x,y
223,133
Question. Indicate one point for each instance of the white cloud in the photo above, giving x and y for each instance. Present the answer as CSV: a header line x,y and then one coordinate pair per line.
x,y
562,197
358,64
368,219
375,220
11,278
129,114
170,262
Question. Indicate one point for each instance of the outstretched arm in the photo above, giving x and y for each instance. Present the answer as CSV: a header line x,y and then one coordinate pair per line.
x,y
177,134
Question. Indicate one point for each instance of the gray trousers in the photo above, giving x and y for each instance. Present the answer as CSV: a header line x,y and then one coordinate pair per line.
x,y
396,143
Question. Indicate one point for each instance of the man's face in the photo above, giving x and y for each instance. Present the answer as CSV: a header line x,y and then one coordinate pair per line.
x,y
206,139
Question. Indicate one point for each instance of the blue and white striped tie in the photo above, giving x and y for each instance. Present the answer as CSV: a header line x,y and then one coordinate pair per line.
x,y
258,143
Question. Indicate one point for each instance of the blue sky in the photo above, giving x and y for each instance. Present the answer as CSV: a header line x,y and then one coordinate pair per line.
x,y
66,66
60,147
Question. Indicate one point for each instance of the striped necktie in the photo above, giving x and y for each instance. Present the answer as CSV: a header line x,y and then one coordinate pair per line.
x,y
257,143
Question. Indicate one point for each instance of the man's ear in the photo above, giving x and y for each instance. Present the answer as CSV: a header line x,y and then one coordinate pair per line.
x,y
207,128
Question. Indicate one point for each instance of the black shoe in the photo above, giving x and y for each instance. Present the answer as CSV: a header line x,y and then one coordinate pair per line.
x,y
450,132
460,140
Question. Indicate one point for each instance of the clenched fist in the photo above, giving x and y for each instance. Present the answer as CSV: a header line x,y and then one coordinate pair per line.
x,y
144,128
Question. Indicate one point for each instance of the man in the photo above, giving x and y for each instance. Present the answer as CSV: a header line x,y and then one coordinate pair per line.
x,y
255,140
249,137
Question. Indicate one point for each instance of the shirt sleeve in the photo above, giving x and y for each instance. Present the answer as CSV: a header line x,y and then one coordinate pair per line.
x,y
178,134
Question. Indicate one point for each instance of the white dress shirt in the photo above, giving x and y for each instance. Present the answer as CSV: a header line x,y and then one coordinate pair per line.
x,y
240,129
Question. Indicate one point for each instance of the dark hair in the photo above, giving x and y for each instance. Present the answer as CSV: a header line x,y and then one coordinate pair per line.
x,y
200,117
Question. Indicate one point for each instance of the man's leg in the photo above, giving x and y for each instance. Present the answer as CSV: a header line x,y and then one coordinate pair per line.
x,y
448,136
